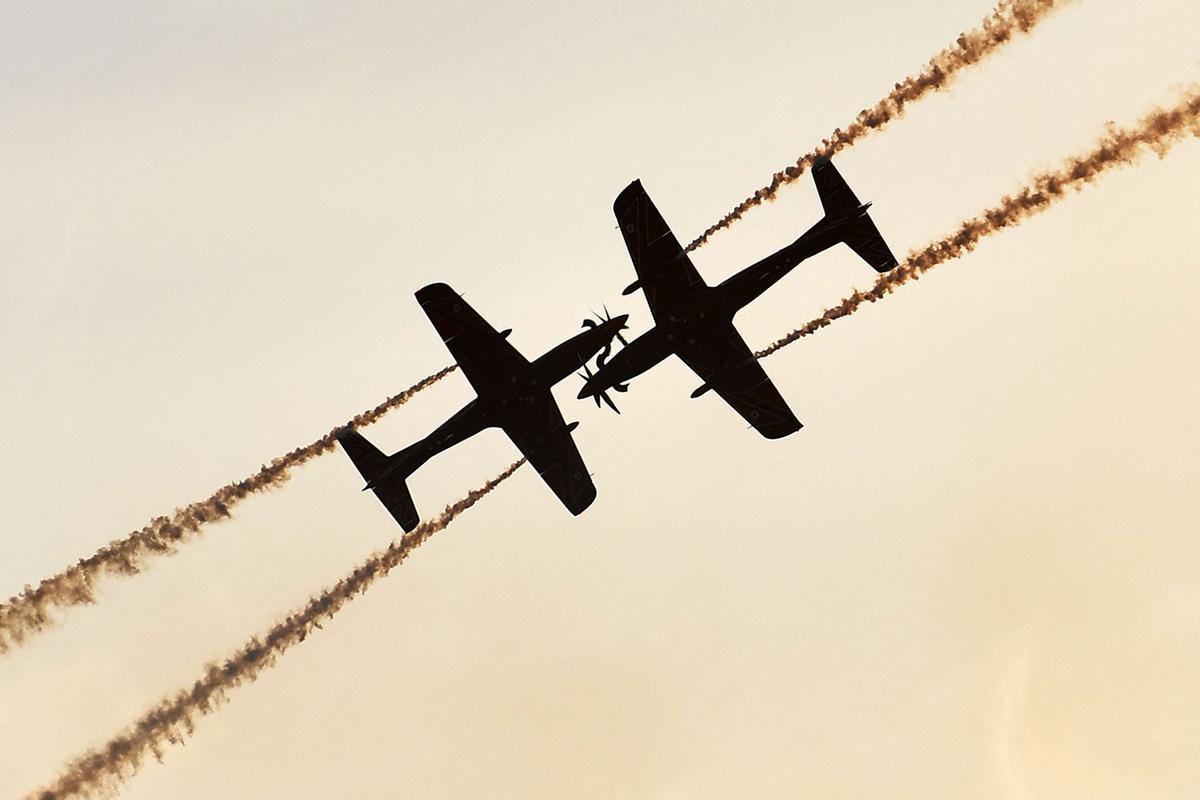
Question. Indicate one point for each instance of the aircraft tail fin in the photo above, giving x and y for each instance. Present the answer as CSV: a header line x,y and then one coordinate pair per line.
x,y
843,209
385,476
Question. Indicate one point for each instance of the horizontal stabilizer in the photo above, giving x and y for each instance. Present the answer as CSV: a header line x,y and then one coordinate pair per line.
x,y
863,238
843,208
384,475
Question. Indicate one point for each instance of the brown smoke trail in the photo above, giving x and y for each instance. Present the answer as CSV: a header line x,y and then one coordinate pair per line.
x,y
1010,17
30,612
99,772
1158,132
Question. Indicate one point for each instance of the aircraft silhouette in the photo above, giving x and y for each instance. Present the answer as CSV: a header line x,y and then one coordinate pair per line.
x,y
513,394
695,321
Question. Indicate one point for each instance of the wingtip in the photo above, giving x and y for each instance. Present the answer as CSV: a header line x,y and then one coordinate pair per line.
x,y
631,191
781,431
434,291
583,502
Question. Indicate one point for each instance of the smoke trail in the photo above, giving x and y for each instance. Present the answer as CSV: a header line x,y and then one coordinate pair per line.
x,y
1010,17
1158,132
30,612
99,772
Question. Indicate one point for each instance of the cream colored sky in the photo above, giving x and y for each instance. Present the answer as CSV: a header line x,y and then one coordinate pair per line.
x,y
974,573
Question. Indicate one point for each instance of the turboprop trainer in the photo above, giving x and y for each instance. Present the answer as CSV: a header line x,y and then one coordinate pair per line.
x,y
695,321
513,394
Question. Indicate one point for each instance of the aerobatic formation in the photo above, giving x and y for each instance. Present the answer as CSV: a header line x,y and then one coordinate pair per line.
x,y
36,608
102,769
691,320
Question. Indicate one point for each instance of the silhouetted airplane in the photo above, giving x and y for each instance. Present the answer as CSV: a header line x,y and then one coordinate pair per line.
x,y
513,394
695,321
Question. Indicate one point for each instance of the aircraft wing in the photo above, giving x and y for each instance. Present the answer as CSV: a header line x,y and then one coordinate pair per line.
x,y
663,268
483,354
544,439
722,359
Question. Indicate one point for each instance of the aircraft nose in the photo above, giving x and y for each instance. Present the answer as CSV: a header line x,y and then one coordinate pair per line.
x,y
620,320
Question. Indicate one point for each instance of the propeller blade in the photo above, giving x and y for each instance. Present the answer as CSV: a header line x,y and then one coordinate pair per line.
x,y
609,401
597,397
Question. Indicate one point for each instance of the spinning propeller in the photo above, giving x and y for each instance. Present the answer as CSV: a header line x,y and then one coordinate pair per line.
x,y
604,354
603,357
598,396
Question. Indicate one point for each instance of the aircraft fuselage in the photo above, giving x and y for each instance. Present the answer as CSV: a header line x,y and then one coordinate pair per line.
x,y
524,395
700,307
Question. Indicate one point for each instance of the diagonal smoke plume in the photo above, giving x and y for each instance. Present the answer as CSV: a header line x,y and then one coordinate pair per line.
x,y
28,613
1010,18
1157,133
100,772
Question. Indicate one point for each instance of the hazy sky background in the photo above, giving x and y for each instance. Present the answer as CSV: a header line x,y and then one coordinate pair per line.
x,y
974,573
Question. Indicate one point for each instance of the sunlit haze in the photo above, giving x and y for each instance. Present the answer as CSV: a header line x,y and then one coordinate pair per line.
x,y
974,573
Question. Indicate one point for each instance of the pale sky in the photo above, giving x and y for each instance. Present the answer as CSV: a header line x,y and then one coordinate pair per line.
x,y
974,573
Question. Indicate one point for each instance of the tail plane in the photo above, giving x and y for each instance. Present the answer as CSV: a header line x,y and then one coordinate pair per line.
x,y
843,209
385,476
